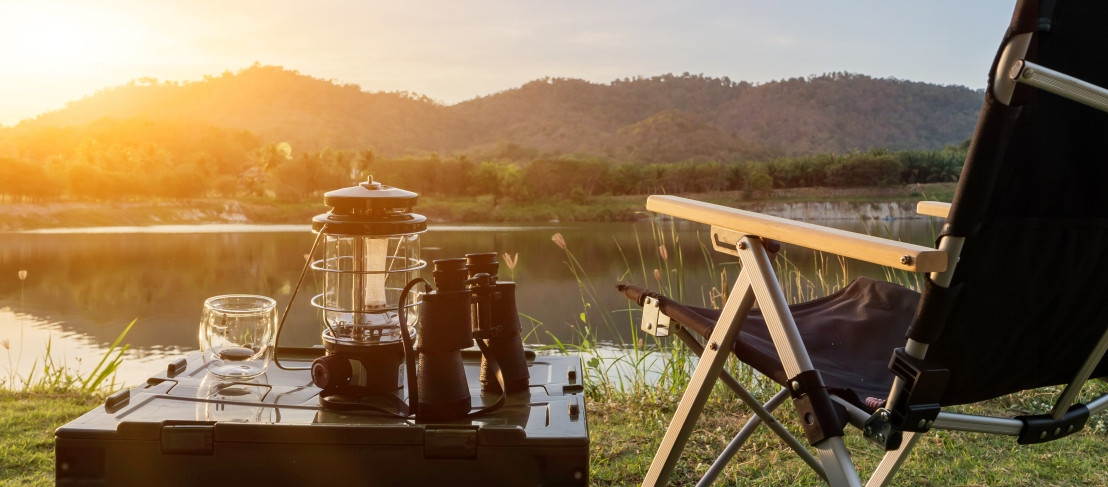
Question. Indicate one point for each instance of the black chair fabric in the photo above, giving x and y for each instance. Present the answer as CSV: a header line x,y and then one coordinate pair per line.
x,y
849,335
1032,203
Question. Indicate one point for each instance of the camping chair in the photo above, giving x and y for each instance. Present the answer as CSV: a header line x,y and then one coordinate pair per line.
x,y
1022,309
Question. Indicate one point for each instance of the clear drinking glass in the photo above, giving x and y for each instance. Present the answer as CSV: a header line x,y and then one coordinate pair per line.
x,y
237,333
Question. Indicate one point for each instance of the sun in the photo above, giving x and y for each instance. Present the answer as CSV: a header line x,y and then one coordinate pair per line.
x,y
57,40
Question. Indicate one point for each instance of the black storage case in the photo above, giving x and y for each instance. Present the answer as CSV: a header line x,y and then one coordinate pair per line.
x,y
185,428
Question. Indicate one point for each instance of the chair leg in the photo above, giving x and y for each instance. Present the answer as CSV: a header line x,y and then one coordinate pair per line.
x,y
892,460
700,385
762,413
832,450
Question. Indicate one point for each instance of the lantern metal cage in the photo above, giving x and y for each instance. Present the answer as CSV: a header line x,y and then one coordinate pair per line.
x,y
362,280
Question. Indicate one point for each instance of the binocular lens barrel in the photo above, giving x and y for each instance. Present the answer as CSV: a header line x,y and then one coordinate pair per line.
x,y
496,315
506,346
444,330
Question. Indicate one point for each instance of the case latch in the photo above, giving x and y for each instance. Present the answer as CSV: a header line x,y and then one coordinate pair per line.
x,y
442,442
188,439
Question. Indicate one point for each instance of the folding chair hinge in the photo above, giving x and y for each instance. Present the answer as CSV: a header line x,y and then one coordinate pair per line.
x,y
1043,427
879,430
654,321
818,415
914,407
730,242
923,385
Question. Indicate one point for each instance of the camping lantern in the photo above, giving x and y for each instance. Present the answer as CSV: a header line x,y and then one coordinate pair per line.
x,y
370,251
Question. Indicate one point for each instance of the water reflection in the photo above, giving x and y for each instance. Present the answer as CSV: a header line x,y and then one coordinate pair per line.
x,y
82,288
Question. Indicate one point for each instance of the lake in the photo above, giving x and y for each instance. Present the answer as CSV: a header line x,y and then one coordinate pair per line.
x,y
83,286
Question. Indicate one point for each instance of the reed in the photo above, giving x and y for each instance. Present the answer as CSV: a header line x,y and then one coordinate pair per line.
x,y
51,375
636,363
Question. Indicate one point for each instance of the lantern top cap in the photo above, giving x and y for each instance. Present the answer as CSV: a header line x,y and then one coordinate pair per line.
x,y
370,195
369,208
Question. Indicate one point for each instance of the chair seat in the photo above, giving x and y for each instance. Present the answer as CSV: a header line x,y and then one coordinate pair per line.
x,y
848,335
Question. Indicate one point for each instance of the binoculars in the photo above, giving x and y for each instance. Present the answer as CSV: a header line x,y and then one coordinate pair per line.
x,y
469,303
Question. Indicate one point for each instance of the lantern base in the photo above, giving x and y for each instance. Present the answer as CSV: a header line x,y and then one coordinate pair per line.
x,y
374,369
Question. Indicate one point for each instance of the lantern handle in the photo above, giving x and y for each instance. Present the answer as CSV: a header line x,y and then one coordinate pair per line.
x,y
292,299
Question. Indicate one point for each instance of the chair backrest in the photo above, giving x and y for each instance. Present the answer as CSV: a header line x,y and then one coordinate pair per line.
x,y
1029,297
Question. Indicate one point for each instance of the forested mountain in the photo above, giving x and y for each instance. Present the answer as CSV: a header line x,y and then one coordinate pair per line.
x,y
643,120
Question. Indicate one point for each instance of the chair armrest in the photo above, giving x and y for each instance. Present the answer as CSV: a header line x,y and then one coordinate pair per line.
x,y
933,208
890,253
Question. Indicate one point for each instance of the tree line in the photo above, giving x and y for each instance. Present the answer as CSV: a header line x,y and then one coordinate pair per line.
x,y
578,179
135,160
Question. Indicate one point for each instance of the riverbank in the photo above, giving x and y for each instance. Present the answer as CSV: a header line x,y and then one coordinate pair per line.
x,y
887,202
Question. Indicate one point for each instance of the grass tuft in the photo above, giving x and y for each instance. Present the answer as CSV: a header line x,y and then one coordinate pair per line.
x,y
27,424
50,375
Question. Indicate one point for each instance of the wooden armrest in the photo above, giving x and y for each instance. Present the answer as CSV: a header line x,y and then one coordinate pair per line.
x,y
933,208
890,253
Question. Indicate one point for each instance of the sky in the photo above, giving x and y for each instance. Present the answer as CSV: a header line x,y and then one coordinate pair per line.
x,y
55,51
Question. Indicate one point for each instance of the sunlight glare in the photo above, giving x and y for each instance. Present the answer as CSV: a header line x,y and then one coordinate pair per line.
x,y
58,41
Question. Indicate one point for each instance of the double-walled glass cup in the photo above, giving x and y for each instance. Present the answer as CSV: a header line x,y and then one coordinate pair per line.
x,y
237,333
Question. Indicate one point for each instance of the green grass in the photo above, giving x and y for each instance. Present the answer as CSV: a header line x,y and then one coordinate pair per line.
x,y
35,402
51,375
27,424
626,430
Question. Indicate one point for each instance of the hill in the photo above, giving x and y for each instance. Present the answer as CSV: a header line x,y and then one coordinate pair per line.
x,y
664,118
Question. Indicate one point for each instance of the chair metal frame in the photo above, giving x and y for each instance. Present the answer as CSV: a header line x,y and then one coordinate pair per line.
x,y
742,234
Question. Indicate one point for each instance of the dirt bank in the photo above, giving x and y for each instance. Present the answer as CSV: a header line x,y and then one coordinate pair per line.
x,y
890,202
